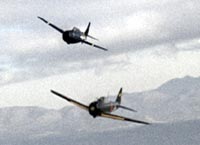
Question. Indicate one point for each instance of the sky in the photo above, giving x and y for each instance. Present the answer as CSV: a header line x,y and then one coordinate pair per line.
x,y
149,43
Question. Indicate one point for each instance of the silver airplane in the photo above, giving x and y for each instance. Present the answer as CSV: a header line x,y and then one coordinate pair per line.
x,y
103,108
74,35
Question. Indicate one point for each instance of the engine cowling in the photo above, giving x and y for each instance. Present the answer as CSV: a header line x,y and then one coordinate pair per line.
x,y
93,110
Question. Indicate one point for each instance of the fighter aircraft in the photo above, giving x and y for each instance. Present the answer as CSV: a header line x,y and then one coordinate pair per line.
x,y
103,108
74,35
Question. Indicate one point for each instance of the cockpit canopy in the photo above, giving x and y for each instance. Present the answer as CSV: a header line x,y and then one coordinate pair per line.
x,y
75,29
103,99
76,33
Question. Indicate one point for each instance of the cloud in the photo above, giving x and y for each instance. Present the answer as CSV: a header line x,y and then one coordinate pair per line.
x,y
138,71
31,49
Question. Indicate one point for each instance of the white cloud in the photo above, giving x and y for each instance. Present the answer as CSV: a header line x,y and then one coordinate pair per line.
x,y
162,30
140,71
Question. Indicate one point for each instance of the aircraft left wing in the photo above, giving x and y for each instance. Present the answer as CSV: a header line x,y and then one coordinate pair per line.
x,y
94,45
52,25
82,106
112,116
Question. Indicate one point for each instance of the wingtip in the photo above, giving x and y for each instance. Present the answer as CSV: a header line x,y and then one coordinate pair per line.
x,y
148,123
42,19
104,49
52,91
39,17
134,110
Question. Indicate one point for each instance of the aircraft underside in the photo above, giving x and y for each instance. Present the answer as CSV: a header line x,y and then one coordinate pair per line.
x,y
68,39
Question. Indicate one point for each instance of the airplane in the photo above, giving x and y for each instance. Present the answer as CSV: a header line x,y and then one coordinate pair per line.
x,y
74,35
103,108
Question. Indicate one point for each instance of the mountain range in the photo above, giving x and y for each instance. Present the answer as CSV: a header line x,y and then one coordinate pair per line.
x,y
173,109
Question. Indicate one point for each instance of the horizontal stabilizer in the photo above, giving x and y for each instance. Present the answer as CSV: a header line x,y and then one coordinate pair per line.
x,y
92,37
127,108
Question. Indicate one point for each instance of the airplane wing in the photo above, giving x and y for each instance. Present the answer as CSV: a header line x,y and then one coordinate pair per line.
x,y
52,25
82,106
94,45
112,116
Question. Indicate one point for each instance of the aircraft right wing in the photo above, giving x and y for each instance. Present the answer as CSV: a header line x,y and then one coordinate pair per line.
x,y
94,45
112,116
82,106
52,25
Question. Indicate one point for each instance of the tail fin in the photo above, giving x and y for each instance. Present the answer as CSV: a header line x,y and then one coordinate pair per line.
x,y
86,33
119,96
87,30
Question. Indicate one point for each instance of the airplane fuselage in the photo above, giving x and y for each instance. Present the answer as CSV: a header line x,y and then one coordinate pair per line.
x,y
102,108
73,36
96,107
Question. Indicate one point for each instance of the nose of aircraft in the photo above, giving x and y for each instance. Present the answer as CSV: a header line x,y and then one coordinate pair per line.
x,y
93,110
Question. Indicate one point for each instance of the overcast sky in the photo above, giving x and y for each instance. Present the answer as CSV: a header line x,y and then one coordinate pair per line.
x,y
149,42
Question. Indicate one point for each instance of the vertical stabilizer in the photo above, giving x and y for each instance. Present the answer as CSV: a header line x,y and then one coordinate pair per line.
x,y
86,33
87,30
119,96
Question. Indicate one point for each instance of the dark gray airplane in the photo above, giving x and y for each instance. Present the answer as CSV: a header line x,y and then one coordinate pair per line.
x,y
103,108
74,35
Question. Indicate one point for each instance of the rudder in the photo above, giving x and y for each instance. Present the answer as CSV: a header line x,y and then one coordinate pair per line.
x,y
119,96
87,30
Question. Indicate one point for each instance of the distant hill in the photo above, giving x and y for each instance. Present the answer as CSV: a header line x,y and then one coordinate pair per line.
x,y
173,108
179,133
182,86
175,100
